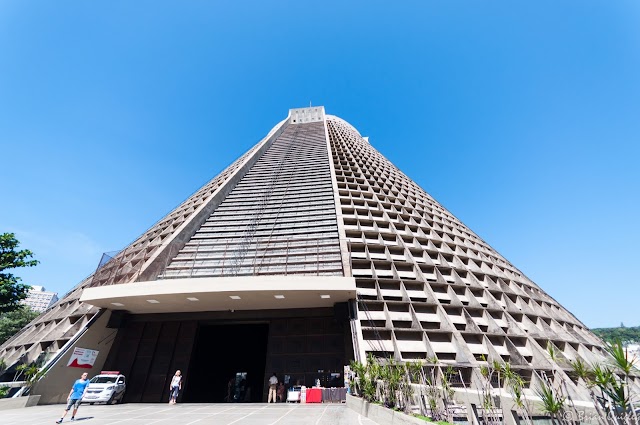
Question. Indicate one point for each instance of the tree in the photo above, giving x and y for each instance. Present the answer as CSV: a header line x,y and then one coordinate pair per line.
x,y
628,335
13,321
11,290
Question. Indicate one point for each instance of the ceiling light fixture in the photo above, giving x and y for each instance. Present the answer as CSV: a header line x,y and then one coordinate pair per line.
x,y
279,297
234,297
118,304
192,299
153,301
325,296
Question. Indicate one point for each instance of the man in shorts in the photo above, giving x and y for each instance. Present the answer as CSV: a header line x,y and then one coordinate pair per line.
x,y
75,396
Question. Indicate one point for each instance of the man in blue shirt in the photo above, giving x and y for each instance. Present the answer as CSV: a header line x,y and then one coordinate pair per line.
x,y
75,396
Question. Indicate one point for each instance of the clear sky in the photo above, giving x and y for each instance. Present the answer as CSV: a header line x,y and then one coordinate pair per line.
x,y
521,118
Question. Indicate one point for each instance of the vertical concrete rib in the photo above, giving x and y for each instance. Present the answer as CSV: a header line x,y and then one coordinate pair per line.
x,y
279,219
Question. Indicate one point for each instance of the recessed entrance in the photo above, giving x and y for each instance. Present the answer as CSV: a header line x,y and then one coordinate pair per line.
x,y
223,353
211,348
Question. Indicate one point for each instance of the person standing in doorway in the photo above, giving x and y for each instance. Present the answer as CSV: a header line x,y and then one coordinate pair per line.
x,y
273,384
175,387
281,392
230,385
75,396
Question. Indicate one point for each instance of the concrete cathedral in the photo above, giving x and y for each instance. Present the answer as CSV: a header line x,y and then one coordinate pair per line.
x,y
309,251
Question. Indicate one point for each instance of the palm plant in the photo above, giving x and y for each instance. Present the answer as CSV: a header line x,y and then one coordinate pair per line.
x,y
20,371
364,382
515,384
489,412
374,372
432,399
552,403
416,375
583,371
605,380
626,365
406,387
391,376
369,390
553,353
559,377
619,396
497,368
395,377
432,390
32,374
368,376
487,401
447,390
396,381
356,383
621,358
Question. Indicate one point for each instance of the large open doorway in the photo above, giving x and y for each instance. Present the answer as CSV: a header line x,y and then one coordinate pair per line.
x,y
223,353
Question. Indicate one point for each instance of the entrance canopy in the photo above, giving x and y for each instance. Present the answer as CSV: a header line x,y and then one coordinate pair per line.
x,y
223,293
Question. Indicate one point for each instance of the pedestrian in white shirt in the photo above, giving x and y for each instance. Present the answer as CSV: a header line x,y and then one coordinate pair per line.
x,y
273,384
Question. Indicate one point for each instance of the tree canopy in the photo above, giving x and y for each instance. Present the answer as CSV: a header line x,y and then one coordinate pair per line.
x,y
625,334
11,290
13,321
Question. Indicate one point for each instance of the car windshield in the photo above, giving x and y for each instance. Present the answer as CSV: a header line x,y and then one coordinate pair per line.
x,y
103,380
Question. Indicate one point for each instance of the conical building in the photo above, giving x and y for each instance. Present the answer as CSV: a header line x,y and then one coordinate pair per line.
x,y
310,250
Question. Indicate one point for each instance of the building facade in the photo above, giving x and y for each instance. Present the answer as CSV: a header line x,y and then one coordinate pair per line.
x,y
40,299
309,251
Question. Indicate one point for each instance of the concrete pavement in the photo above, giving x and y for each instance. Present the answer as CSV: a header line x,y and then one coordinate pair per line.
x,y
191,414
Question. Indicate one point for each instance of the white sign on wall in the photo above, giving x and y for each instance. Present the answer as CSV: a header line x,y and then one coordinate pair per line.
x,y
83,358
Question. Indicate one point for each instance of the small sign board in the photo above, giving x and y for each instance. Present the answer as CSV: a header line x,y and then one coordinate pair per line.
x,y
83,358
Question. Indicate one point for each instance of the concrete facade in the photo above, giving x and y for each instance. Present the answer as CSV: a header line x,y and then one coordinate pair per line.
x,y
315,201
219,294
54,388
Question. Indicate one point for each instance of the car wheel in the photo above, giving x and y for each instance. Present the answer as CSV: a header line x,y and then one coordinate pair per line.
x,y
112,399
91,404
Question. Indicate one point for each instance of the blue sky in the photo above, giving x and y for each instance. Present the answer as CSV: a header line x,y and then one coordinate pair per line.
x,y
523,119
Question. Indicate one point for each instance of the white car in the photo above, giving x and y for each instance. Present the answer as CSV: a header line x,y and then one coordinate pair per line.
x,y
105,388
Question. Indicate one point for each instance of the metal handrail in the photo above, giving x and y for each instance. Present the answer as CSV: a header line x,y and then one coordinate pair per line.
x,y
289,249
250,230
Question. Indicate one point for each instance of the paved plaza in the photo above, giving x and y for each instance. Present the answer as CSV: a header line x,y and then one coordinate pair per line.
x,y
187,414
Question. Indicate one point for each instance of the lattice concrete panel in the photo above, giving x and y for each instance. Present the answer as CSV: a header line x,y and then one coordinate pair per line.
x,y
427,285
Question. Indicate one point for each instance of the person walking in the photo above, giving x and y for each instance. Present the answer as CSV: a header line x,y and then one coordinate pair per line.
x,y
273,384
75,396
175,387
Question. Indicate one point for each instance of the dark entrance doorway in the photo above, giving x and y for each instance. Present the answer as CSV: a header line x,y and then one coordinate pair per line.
x,y
225,352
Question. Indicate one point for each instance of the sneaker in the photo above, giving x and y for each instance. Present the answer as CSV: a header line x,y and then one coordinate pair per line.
x,y
59,421
73,419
